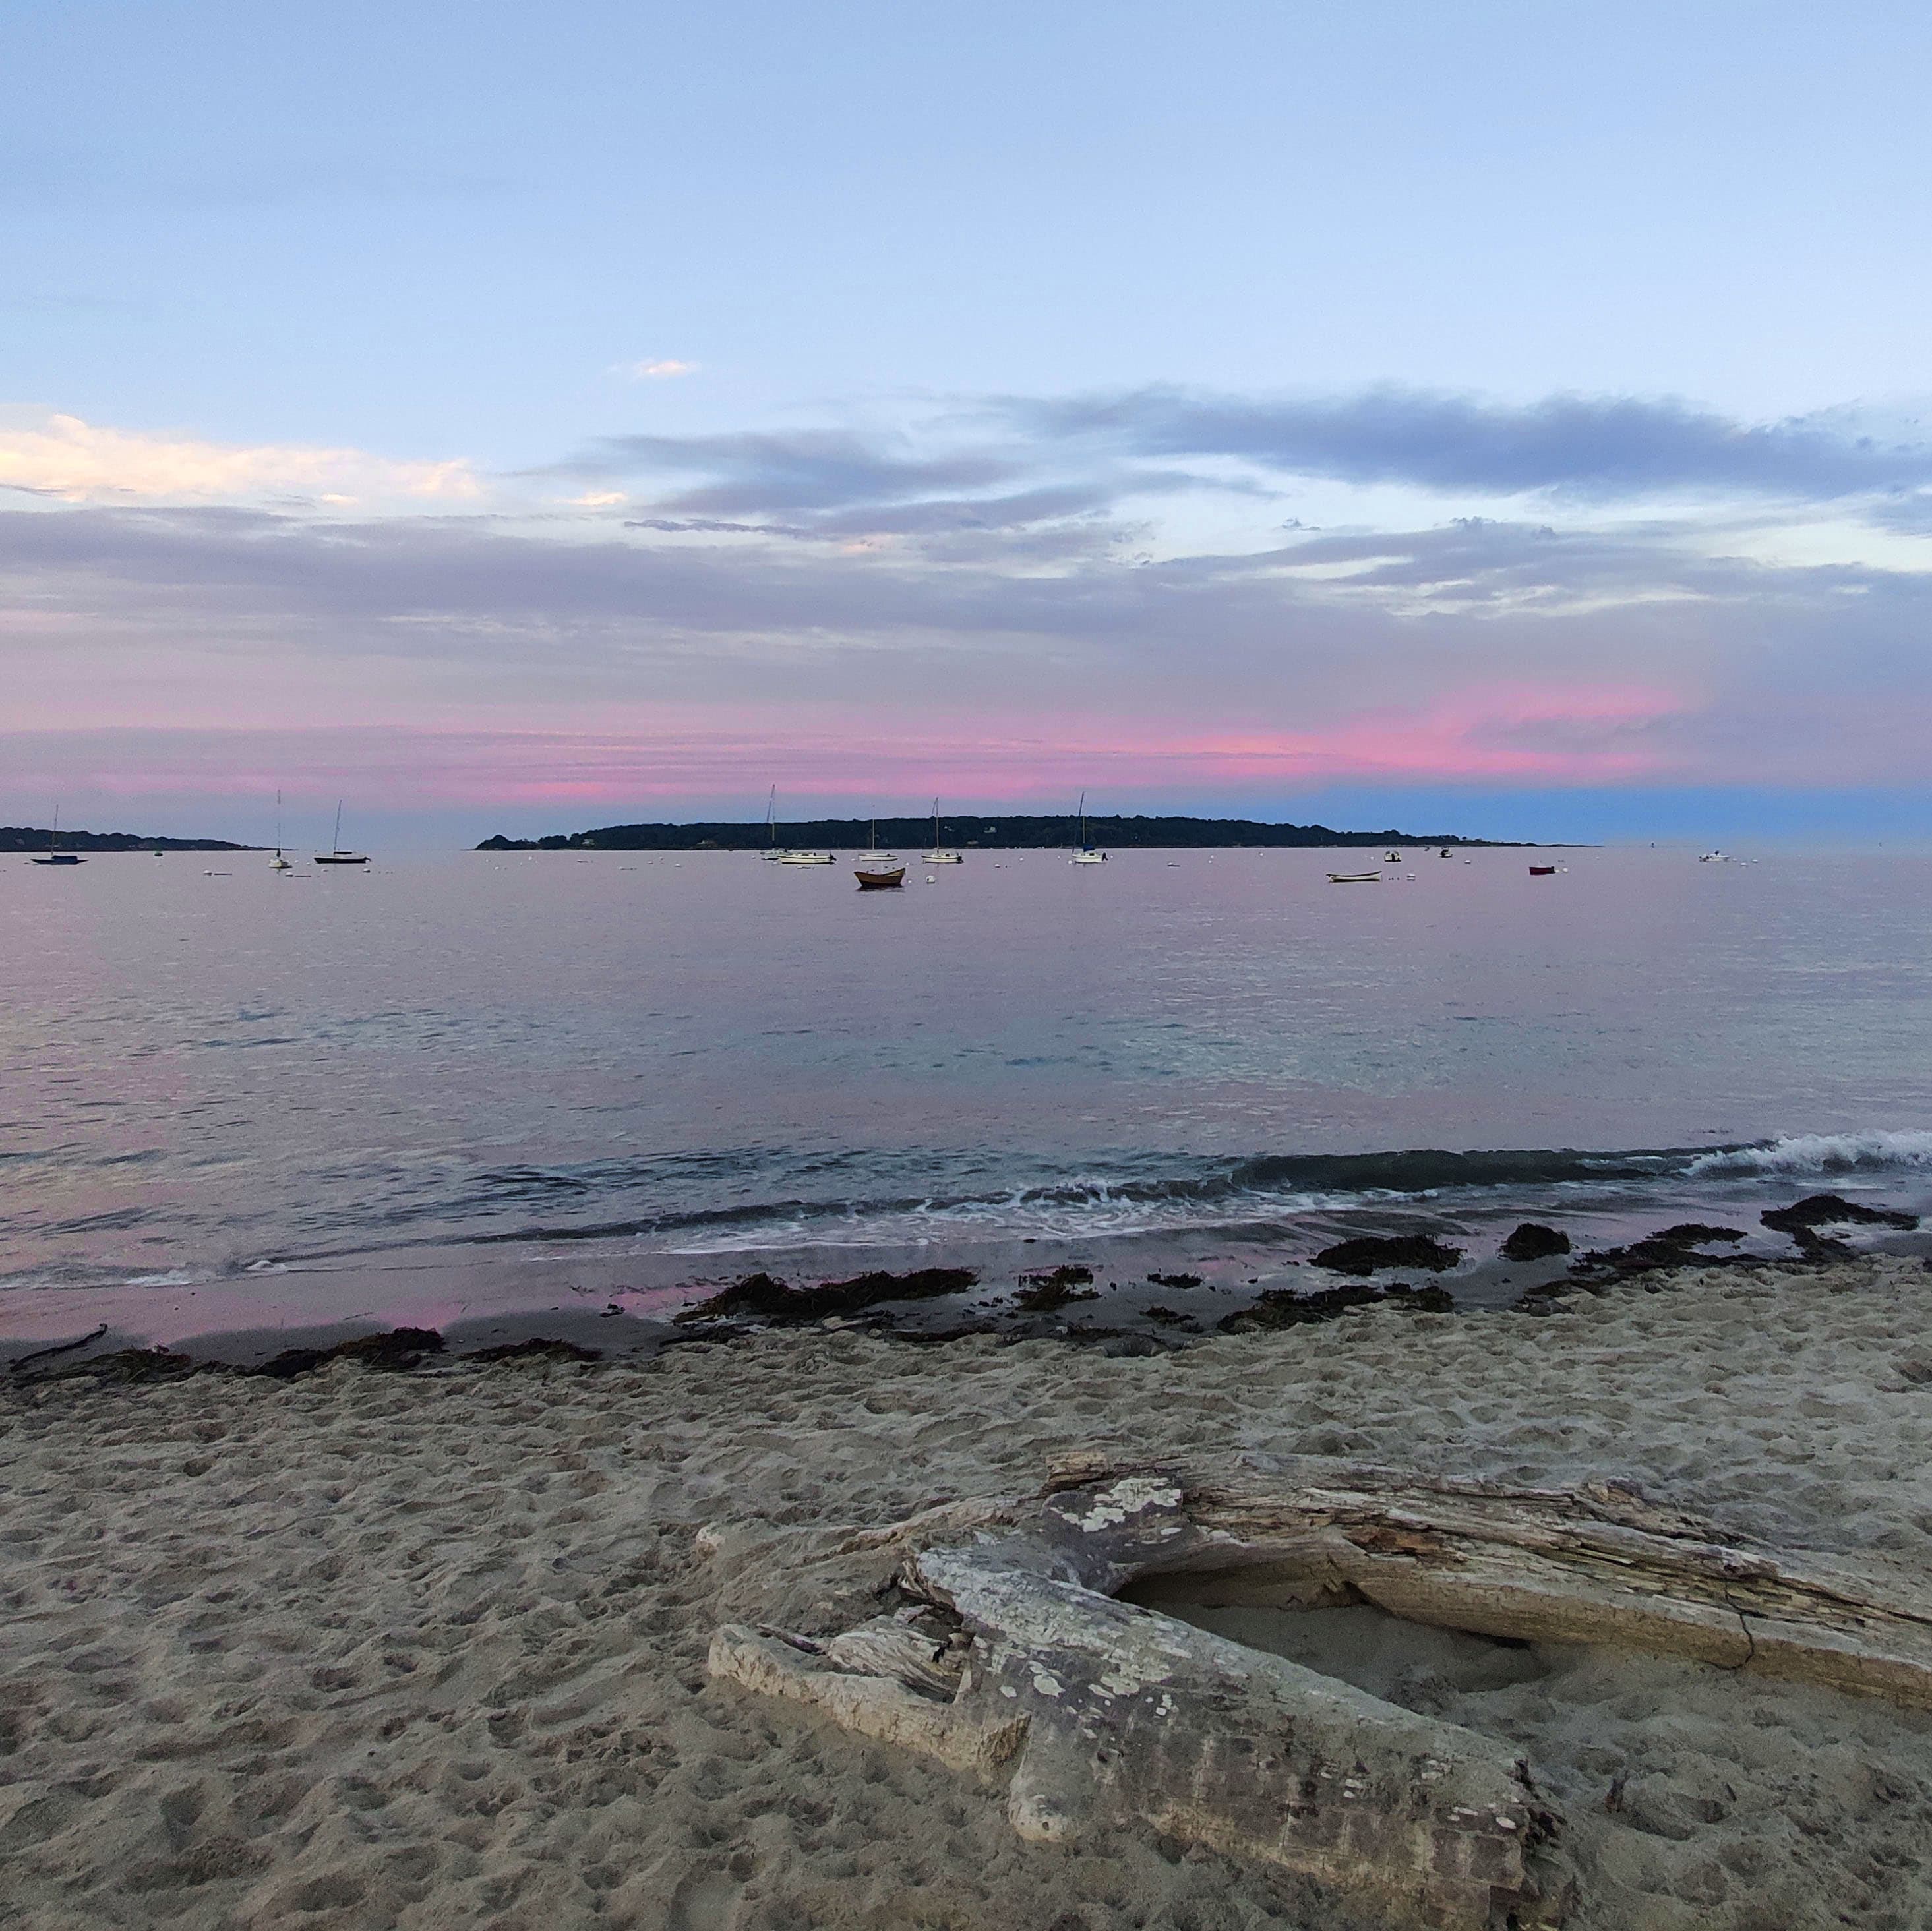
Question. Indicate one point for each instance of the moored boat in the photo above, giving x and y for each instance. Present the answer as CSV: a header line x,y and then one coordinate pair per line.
x,y
876,871
1543,871
336,855
940,854
1354,878
1084,853
54,857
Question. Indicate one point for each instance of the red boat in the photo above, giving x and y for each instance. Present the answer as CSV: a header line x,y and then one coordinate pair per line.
x,y
1542,871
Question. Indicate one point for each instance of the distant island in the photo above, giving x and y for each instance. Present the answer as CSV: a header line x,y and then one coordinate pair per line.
x,y
30,838
988,834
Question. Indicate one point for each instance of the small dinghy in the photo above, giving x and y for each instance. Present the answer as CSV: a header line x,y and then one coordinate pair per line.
x,y
1354,878
875,871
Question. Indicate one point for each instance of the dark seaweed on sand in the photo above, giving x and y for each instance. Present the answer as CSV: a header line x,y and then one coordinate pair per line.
x,y
1046,1293
1278,1308
1368,1252
1829,1209
762,1297
1533,1241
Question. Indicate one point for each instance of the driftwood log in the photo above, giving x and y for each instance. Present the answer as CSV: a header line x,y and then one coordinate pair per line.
x,y
1014,1658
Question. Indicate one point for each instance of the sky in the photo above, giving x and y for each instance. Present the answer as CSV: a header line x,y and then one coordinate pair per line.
x,y
1513,418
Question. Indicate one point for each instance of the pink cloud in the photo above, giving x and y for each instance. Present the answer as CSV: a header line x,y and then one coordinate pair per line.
x,y
1557,734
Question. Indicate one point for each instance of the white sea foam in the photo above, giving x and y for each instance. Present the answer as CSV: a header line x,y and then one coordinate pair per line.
x,y
1060,1213
1800,1153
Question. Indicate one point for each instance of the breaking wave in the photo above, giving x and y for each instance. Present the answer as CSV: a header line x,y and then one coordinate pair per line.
x,y
1797,1155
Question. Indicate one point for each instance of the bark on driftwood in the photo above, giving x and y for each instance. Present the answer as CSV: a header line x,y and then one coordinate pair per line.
x,y
1109,1713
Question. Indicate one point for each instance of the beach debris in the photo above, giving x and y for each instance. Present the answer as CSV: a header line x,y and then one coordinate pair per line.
x,y
1533,1241
1675,1246
763,1298
1097,1713
1802,1219
395,1350
1282,1307
1052,1288
20,1361
538,1347
1368,1252
126,1367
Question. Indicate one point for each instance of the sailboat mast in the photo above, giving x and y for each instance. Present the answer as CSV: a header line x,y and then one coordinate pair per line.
x,y
337,845
771,821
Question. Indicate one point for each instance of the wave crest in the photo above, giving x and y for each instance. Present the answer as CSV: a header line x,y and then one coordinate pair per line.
x,y
1800,1153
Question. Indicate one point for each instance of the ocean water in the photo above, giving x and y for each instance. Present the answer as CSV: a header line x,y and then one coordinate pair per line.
x,y
501,1078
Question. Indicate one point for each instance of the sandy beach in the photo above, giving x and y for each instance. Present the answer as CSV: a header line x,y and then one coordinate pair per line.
x,y
427,1650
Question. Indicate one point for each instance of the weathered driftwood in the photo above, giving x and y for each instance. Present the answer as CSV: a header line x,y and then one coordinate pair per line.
x,y
1108,1711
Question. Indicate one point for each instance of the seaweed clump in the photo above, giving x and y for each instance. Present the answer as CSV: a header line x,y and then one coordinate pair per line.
x,y
1678,1246
1046,1293
763,1297
1533,1241
1282,1308
1802,1219
396,1351
1366,1252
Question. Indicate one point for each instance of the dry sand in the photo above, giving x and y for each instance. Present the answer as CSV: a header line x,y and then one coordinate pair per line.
x,y
426,1651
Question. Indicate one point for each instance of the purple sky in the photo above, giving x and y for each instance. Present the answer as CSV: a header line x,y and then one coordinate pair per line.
x,y
519,430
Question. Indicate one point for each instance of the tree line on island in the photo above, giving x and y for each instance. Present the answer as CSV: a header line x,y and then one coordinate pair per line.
x,y
42,837
1008,833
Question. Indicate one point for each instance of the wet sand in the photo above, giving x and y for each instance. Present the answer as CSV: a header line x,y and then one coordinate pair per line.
x,y
424,1650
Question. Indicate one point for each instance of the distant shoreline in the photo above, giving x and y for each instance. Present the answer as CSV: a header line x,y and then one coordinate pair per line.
x,y
1011,833
31,838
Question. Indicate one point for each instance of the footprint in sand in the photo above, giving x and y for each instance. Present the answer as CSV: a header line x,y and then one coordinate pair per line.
x,y
703,1901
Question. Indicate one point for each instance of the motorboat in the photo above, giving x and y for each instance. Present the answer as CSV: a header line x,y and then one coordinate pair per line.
x,y
1392,858
940,854
1354,878
808,858
335,855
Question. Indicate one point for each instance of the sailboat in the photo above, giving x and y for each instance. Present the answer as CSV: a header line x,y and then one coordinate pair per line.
x,y
335,855
54,857
787,855
278,863
1083,853
939,854
875,871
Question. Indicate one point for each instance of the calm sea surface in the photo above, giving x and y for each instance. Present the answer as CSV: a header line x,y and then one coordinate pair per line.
x,y
630,1070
